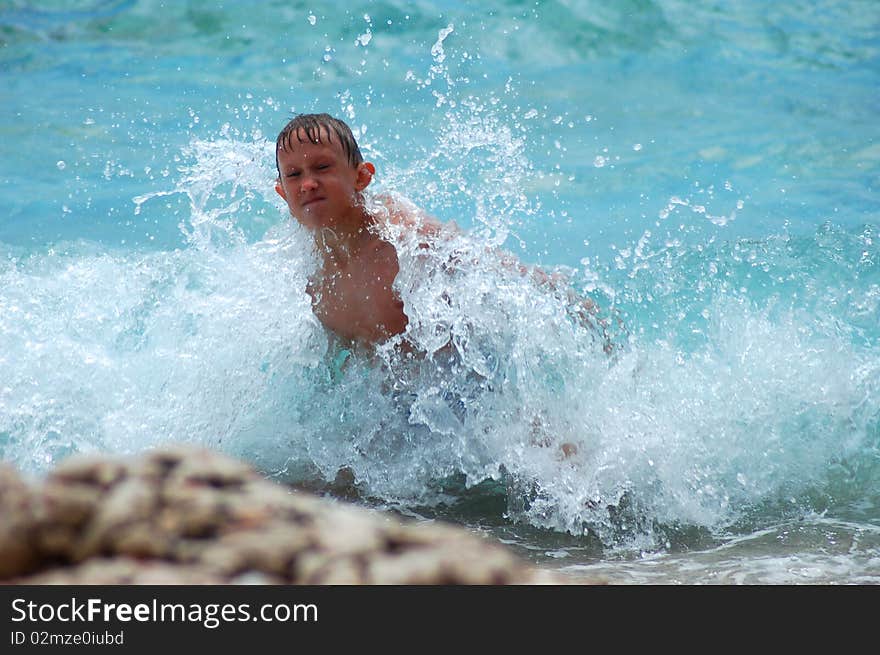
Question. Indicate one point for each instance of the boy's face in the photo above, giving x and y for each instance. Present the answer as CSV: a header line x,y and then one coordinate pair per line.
x,y
318,182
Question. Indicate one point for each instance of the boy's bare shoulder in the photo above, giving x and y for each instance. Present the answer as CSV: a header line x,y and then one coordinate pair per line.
x,y
403,214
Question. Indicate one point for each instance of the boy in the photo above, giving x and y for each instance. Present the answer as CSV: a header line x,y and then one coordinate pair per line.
x,y
322,176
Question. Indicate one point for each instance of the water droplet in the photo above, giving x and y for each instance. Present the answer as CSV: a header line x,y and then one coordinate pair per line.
x,y
61,165
312,19
637,146
599,161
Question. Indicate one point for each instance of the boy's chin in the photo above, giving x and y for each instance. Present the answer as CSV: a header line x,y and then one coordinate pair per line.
x,y
313,214
307,222
312,222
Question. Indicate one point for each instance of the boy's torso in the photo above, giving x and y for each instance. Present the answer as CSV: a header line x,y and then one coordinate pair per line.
x,y
355,298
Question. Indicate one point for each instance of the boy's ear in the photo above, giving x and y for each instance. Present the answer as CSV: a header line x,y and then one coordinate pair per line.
x,y
280,190
365,173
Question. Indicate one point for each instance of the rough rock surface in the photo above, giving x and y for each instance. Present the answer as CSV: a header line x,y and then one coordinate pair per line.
x,y
191,516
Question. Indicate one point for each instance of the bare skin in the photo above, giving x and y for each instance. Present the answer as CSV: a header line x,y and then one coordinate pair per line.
x,y
352,292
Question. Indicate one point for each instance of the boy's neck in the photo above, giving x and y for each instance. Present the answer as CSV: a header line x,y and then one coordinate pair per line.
x,y
344,240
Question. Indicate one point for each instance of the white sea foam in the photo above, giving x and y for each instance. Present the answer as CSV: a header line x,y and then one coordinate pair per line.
x,y
216,343
741,379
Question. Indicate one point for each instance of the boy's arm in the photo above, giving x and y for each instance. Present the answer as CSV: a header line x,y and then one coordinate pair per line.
x,y
556,281
582,309
410,217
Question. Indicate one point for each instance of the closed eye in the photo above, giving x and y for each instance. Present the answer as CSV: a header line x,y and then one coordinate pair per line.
x,y
293,174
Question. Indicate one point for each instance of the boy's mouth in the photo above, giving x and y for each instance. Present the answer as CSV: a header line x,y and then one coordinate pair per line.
x,y
312,201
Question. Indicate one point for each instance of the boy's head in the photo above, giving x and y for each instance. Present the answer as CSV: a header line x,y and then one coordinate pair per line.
x,y
321,172
318,128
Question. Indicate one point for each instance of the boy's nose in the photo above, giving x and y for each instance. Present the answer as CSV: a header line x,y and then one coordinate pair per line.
x,y
308,184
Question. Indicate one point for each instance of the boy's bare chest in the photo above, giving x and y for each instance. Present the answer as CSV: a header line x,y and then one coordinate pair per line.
x,y
356,299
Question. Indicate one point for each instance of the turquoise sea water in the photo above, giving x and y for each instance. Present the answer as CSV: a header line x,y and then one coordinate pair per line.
x,y
705,172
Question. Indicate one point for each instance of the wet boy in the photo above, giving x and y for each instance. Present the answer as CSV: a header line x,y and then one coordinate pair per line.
x,y
322,176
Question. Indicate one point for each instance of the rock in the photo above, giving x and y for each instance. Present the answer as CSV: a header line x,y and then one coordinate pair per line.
x,y
184,515
122,523
17,524
90,470
124,571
